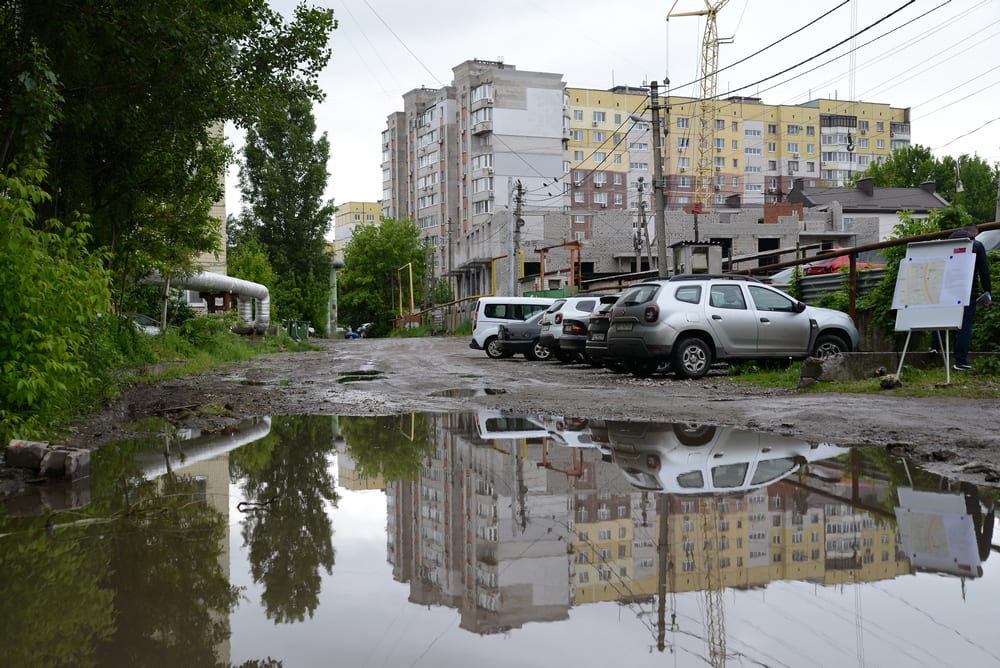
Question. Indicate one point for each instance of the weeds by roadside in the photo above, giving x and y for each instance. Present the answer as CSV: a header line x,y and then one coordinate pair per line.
x,y
982,383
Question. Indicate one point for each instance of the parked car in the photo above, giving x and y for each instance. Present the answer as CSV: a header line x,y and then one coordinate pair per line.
x,y
521,337
686,458
144,324
491,312
596,348
691,321
564,326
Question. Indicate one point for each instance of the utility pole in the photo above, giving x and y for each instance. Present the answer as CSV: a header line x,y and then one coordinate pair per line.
x,y
518,221
636,233
510,235
661,218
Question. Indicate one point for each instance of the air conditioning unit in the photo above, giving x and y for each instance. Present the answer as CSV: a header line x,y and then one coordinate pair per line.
x,y
598,184
594,124
683,169
604,206
771,189
718,188
795,155
489,170
864,132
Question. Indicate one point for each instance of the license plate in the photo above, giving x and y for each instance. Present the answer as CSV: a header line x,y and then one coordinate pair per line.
x,y
597,336
623,327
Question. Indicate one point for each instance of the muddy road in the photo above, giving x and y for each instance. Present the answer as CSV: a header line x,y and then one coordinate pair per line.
x,y
958,437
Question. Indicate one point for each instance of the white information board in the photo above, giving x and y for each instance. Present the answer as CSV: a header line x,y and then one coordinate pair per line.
x,y
934,284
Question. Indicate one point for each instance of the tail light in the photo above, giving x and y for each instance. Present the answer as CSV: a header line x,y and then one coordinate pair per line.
x,y
573,327
651,313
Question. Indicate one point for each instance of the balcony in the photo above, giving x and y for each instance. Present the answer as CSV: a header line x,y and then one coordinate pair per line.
x,y
482,127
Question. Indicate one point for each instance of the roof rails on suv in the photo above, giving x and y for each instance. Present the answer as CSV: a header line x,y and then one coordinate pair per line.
x,y
714,277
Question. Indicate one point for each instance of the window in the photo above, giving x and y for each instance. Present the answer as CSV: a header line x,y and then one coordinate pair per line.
x,y
793,147
578,114
720,143
618,119
598,116
683,122
772,129
481,92
772,165
622,532
578,156
735,145
879,126
578,197
599,136
720,124
793,165
810,131
880,143
811,148
604,534
618,158
618,178
736,126
600,156
577,135
684,182
736,163
793,129
772,146
601,199
683,142
683,163
810,166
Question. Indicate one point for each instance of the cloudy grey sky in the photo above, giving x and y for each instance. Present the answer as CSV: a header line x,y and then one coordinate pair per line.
x,y
933,56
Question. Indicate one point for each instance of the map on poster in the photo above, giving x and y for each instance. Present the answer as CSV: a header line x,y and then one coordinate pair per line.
x,y
934,284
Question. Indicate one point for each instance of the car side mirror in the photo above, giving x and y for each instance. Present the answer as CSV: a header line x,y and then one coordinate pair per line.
x,y
800,307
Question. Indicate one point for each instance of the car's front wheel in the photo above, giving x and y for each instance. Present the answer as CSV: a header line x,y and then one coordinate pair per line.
x,y
539,353
691,358
829,344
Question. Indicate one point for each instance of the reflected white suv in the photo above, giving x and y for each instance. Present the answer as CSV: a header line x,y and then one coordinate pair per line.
x,y
691,321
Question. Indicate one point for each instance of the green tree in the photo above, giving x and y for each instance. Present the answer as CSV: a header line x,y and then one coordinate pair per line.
x,y
149,86
374,261
911,166
283,178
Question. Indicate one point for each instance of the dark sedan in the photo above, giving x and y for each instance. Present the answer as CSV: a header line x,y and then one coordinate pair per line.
x,y
521,336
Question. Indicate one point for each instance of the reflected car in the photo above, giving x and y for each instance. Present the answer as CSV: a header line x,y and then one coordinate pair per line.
x,y
692,321
497,424
522,337
685,458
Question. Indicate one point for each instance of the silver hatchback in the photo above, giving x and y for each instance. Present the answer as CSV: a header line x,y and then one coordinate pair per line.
x,y
692,321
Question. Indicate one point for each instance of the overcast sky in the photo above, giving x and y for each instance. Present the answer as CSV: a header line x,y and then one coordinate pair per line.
x,y
937,57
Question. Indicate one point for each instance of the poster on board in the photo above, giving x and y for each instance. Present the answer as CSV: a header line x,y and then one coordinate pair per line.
x,y
934,284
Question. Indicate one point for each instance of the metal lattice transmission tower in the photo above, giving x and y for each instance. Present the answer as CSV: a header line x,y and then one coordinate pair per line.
x,y
709,88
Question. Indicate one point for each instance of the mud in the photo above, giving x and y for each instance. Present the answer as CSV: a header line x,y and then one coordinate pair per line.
x,y
957,437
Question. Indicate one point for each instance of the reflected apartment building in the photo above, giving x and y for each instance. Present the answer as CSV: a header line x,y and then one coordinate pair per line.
x,y
507,163
512,531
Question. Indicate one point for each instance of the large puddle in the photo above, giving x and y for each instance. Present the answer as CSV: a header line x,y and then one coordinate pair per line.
x,y
492,539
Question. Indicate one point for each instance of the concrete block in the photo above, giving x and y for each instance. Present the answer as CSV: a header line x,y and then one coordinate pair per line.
x,y
25,454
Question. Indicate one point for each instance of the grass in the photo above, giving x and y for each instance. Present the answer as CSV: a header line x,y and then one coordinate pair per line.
x,y
983,383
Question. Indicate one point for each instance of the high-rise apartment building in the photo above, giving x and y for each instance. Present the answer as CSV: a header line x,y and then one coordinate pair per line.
x,y
504,163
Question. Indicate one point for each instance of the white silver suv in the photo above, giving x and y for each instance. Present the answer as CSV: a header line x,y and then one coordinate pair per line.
x,y
691,321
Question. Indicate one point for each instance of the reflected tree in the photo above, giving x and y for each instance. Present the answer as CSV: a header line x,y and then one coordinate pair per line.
x,y
53,611
289,538
389,446
173,598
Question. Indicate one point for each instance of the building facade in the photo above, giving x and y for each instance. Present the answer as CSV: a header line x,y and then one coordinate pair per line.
x,y
511,175
348,216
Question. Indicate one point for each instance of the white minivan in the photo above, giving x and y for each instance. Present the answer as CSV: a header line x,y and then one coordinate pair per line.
x,y
491,312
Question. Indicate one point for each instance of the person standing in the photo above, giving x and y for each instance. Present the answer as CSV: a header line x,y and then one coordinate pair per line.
x,y
981,289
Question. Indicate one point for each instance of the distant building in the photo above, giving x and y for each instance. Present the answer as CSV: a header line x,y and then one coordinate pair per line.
x,y
864,199
348,216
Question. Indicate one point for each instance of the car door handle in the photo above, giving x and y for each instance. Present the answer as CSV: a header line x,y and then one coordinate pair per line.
x,y
765,320
716,316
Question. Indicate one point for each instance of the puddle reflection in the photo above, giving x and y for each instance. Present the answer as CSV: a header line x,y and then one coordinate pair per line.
x,y
424,539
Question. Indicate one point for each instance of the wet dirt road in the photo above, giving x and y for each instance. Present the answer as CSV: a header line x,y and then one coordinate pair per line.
x,y
958,437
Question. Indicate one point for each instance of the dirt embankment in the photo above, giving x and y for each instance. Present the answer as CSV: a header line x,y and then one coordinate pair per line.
x,y
959,437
